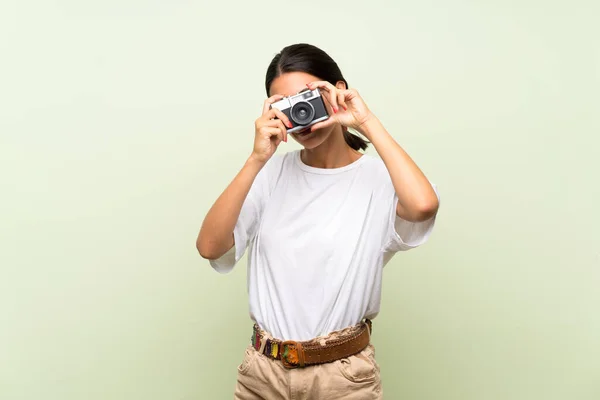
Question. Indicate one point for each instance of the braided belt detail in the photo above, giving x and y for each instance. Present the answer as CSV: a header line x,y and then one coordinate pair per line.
x,y
301,354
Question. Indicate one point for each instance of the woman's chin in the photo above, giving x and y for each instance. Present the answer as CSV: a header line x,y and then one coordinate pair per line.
x,y
311,140
304,135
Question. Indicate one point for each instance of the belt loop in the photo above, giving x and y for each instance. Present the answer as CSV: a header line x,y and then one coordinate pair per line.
x,y
263,343
369,328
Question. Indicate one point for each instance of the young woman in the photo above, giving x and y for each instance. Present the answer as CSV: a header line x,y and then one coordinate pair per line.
x,y
319,225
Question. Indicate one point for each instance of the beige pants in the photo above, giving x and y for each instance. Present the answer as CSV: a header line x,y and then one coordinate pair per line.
x,y
353,378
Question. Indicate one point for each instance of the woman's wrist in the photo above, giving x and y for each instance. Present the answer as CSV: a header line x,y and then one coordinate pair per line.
x,y
255,163
370,126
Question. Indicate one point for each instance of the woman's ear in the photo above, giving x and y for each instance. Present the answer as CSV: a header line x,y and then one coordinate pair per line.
x,y
340,85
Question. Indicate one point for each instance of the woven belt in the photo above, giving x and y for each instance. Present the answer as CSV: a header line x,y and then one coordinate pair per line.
x,y
301,354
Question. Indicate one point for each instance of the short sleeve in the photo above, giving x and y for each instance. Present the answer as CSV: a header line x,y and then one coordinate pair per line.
x,y
405,235
247,224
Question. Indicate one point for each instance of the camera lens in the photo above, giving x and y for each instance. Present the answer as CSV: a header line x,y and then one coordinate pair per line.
x,y
302,113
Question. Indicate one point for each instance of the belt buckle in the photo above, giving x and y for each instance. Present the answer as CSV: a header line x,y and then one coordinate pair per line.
x,y
292,354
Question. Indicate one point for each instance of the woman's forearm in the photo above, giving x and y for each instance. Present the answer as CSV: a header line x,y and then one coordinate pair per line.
x,y
417,200
216,235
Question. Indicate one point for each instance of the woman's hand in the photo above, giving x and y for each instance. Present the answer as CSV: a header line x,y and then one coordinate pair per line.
x,y
349,109
270,131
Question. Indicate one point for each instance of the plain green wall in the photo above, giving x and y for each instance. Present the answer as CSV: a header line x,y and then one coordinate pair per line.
x,y
122,121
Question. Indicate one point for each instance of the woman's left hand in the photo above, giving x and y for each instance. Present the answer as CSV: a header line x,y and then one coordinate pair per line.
x,y
349,109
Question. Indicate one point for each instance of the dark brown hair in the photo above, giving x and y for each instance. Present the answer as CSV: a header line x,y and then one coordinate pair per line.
x,y
307,58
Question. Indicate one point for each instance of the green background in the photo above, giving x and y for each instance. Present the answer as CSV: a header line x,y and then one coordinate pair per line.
x,y
122,121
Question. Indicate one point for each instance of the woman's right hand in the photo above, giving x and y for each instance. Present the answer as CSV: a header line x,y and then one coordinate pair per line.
x,y
270,130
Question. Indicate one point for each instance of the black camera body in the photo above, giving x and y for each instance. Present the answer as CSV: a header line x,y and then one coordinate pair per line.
x,y
303,109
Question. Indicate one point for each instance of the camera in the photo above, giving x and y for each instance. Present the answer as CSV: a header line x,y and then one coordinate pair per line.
x,y
303,109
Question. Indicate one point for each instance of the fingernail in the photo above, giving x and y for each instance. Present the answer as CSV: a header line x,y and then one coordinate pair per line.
x,y
345,108
335,109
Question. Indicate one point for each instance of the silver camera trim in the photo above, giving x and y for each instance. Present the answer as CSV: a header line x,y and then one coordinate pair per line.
x,y
290,101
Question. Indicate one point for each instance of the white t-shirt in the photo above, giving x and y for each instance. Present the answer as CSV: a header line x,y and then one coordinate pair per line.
x,y
317,242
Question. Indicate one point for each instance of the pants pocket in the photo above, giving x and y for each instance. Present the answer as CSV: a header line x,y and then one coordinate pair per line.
x,y
249,357
360,367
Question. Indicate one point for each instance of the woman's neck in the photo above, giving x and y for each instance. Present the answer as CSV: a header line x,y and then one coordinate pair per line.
x,y
332,153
